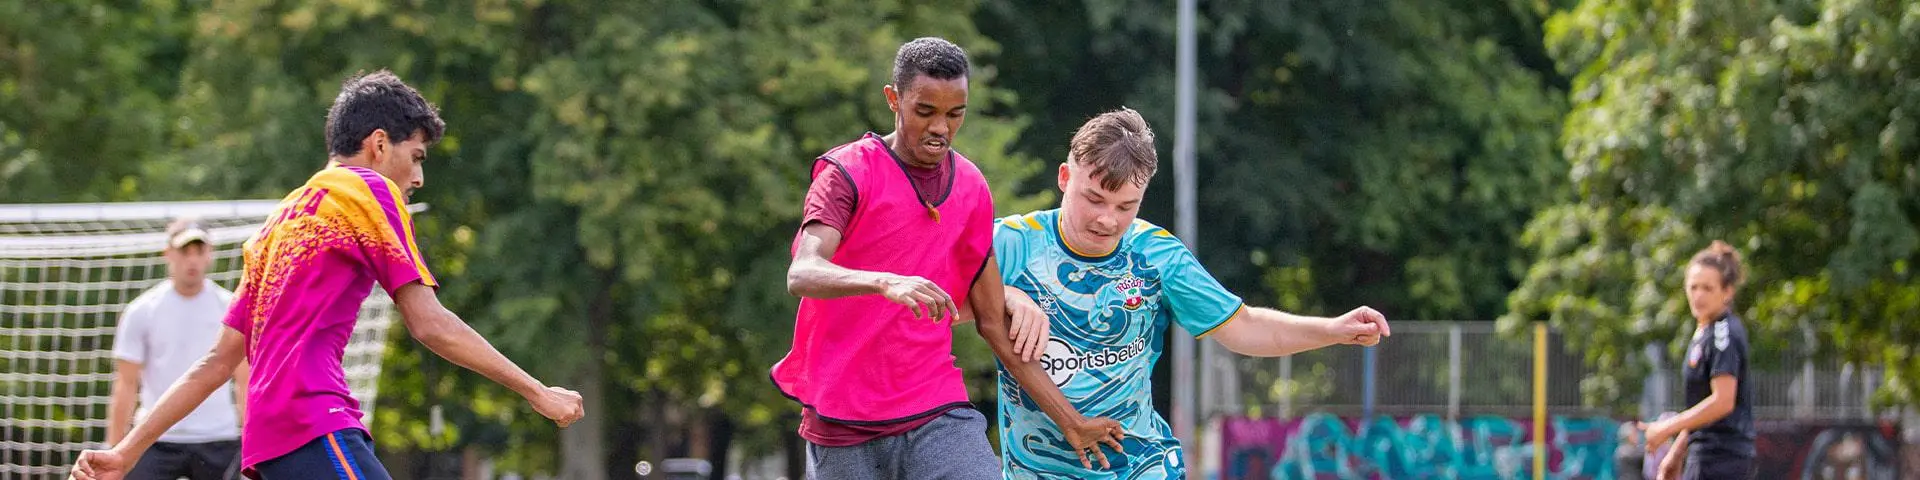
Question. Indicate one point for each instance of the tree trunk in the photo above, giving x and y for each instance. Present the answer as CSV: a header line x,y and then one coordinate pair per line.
x,y
582,446
653,447
473,464
583,450
720,441
625,451
698,436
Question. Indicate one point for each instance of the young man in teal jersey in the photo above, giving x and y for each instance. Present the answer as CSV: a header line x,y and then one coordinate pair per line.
x,y
1109,286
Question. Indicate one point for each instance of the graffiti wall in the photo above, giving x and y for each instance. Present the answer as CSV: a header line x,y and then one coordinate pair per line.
x,y
1815,451
1322,446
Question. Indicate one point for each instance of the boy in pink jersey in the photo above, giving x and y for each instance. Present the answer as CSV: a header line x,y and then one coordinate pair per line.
x,y
307,272
892,225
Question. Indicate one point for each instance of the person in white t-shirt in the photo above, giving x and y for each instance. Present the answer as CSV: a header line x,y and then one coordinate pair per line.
x,y
160,336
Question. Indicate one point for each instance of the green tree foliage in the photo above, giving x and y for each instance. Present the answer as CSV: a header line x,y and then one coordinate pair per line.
x,y
1784,128
84,88
1396,146
1382,153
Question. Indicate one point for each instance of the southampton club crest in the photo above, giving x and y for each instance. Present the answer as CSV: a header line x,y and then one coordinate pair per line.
x,y
1130,289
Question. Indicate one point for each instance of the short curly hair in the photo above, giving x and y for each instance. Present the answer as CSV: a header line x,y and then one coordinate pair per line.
x,y
930,56
379,101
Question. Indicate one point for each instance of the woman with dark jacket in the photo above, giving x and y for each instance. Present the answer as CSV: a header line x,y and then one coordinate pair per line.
x,y
1713,439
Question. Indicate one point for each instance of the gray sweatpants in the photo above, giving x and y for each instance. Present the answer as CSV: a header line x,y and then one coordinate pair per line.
x,y
951,447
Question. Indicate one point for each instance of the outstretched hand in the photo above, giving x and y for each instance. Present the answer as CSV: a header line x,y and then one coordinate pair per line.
x,y
561,405
1363,326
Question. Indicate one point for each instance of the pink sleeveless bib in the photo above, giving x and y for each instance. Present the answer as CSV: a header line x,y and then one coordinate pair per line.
x,y
866,360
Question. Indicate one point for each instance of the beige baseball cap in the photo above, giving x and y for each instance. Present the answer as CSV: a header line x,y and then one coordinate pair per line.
x,y
184,232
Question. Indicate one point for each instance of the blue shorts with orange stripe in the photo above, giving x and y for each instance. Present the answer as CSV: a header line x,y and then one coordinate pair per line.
x,y
346,455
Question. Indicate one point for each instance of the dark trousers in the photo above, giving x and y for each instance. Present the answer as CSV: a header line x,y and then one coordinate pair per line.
x,y
1707,466
197,461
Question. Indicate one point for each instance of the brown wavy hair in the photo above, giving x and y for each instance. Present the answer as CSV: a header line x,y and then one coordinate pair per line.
x,y
1722,257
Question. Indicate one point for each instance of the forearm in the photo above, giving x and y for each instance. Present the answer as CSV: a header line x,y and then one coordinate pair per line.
x,y
817,278
1702,414
1280,333
450,338
182,398
120,411
989,305
241,374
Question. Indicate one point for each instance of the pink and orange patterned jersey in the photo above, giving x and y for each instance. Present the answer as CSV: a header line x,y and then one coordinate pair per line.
x,y
307,271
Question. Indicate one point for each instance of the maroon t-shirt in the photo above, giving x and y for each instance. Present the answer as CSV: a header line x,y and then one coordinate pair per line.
x,y
831,201
832,198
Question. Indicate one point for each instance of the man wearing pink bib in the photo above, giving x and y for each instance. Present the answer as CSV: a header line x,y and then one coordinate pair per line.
x,y
895,228
307,271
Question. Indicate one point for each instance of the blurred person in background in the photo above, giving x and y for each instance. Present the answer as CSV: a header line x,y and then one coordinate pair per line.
x,y
160,336
1629,460
1712,440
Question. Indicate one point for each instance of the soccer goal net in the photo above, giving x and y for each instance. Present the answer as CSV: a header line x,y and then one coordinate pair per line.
x,y
66,273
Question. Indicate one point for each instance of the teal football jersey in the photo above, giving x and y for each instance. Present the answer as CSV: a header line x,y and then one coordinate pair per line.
x,y
1108,318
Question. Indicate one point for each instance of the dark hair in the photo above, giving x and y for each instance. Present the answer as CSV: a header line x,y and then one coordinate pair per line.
x,y
1119,146
379,101
1721,256
931,56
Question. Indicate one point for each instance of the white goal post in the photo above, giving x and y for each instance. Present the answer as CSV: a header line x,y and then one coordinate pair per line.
x,y
66,273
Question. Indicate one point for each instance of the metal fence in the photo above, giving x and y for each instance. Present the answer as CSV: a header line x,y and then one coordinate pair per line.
x,y
1468,368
